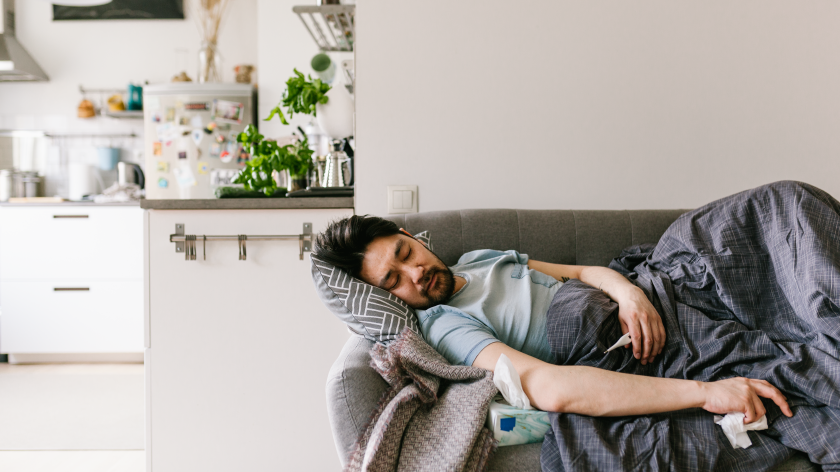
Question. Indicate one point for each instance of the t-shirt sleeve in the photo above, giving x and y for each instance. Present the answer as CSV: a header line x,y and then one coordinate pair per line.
x,y
455,335
487,254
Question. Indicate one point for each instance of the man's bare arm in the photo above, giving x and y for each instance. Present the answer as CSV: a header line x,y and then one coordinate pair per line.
x,y
638,317
597,392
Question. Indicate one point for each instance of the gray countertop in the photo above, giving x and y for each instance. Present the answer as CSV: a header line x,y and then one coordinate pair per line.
x,y
69,203
249,203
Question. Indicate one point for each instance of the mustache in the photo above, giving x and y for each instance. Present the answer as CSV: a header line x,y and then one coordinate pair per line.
x,y
426,278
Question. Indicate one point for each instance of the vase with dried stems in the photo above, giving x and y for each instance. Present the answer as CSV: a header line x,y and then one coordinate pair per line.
x,y
208,15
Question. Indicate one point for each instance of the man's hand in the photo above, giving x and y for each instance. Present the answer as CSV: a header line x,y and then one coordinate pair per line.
x,y
639,318
740,395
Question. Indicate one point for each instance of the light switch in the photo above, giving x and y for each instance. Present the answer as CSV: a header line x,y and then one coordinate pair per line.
x,y
402,199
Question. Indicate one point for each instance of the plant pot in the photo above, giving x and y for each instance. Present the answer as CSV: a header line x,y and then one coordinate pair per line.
x,y
295,182
336,116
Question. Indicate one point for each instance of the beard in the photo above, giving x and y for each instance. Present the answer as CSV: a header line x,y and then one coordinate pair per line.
x,y
442,289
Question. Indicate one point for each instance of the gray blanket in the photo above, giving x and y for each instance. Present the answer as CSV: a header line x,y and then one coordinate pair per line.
x,y
432,416
746,286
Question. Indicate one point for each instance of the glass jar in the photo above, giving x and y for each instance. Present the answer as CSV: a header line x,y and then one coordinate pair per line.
x,y
209,63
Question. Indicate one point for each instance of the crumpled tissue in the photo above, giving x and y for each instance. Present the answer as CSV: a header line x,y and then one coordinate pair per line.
x,y
512,419
507,381
736,431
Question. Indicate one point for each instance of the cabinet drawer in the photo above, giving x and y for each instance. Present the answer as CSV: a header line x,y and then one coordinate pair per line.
x,y
71,242
71,315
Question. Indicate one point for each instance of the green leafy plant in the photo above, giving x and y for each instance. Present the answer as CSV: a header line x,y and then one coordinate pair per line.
x,y
266,157
301,96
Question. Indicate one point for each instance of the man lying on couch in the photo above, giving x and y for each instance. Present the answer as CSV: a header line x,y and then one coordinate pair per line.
x,y
739,249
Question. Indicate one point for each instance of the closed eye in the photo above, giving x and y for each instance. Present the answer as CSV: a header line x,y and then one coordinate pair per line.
x,y
396,282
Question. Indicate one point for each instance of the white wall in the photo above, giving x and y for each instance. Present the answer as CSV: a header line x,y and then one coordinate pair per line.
x,y
284,45
601,104
110,54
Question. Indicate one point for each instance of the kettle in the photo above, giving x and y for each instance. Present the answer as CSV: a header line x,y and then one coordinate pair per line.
x,y
130,174
337,163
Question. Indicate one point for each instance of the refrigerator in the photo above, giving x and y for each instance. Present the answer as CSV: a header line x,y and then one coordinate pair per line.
x,y
190,134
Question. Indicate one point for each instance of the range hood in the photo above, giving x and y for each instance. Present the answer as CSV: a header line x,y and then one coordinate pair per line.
x,y
16,65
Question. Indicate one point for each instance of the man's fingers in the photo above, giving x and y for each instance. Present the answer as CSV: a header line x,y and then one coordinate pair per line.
x,y
766,390
749,411
661,337
759,407
636,338
647,342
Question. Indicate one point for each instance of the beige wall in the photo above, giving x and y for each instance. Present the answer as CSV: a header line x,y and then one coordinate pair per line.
x,y
602,104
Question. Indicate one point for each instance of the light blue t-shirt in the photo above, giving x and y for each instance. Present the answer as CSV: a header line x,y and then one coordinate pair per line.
x,y
503,300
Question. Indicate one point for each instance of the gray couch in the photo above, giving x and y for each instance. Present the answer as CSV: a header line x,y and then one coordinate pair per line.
x,y
558,236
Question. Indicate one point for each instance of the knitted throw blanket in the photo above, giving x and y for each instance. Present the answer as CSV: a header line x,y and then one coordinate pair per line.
x,y
431,418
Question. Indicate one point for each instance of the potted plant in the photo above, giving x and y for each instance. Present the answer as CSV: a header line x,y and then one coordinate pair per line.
x,y
331,106
267,157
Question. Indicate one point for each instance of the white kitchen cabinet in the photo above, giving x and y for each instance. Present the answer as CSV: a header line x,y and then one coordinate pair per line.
x,y
71,279
237,351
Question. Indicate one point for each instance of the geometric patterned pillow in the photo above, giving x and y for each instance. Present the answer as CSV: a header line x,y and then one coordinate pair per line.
x,y
369,311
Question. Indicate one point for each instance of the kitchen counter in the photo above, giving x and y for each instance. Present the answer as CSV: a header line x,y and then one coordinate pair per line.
x,y
69,203
249,203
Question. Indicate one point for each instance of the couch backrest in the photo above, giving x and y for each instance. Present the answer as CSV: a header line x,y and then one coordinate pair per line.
x,y
577,237
559,236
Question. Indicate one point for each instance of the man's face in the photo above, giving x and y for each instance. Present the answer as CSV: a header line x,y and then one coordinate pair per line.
x,y
406,268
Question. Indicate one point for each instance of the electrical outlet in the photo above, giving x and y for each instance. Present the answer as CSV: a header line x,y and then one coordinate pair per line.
x,y
402,199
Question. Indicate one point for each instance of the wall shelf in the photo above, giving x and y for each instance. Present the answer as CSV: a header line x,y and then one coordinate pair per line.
x,y
332,27
103,102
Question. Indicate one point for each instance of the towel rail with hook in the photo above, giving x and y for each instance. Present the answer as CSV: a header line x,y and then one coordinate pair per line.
x,y
186,243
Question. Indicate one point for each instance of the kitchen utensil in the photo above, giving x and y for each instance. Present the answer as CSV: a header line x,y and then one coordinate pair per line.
x,y
108,157
80,180
335,169
5,185
135,97
324,67
30,185
86,109
130,174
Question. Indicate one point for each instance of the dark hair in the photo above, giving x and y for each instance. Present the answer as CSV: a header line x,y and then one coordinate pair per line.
x,y
344,242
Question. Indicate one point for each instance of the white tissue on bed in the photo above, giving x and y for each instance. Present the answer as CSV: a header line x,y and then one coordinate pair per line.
x,y
736,431
507,381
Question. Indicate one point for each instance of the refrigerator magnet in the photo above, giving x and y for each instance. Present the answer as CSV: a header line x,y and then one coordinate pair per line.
x,y
183,121
184,176
182,154
210,127
162,166
169,143
195,106
220,138
157,148
215,150
231,112
197,136
226,157
203,168
155,116
163,183
170,114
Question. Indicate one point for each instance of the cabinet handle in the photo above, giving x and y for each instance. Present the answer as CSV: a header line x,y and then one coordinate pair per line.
x,y
71,289
70,216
